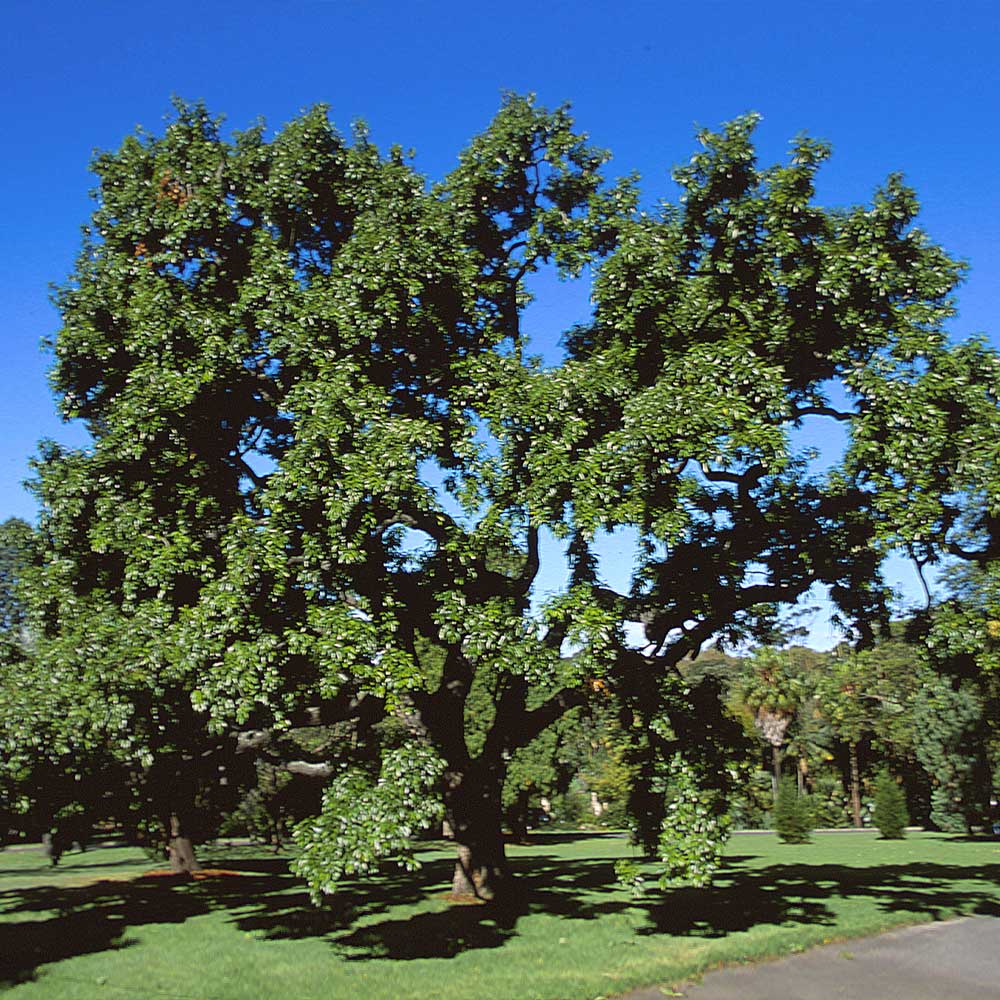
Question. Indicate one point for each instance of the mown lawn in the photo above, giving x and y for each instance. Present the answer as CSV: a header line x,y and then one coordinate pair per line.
x,y
93,929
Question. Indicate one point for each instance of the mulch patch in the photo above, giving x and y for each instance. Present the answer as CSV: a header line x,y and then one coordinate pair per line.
x,y
203,873
463,899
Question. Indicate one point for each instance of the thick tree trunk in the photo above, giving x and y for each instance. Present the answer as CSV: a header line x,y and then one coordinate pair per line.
x,y
855,784
180,848
472,801
775,770
481,870
801,771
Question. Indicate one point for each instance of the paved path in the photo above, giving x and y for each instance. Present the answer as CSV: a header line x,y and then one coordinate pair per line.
x,y
953,960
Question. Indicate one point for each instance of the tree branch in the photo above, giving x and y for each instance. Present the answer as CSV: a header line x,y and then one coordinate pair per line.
x,y
821,411
746,480
980,557
539,719
530,570
304,767
259,481
366,708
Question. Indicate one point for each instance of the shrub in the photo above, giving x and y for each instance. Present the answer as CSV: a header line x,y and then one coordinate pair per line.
x,y
572,809
829,804
890,807
792,816
750,805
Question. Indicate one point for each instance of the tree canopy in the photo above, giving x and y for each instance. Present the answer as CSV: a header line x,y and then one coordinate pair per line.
x,y
324,460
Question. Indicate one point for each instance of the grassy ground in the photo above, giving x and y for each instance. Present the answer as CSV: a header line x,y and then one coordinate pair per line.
x,y
91,929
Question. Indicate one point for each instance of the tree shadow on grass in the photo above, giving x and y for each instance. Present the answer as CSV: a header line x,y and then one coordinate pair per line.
x,y
374,918
48,923
48,869
541,837
798,894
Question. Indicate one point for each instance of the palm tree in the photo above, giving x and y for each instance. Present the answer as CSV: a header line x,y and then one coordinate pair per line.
x,y
771,689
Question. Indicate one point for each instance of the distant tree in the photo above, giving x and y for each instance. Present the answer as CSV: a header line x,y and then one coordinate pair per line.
x,y
851,711
951,720
963,640
808,739
773,691
890,807
867,696
792,817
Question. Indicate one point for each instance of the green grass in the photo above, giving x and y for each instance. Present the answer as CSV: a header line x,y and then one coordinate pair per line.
x,y
89,929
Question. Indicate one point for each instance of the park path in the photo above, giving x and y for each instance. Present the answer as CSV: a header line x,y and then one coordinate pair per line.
x,y
952,960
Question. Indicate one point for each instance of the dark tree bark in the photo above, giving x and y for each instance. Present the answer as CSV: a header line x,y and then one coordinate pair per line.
x,y
472,804
775,770
517,815
52,846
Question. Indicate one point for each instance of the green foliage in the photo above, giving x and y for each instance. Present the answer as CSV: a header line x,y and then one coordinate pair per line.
x,y
362,825
890,815
950,745
692,838
751,804
611,778
322,458
595,750
694,723
694,830
792,815
17,548
829,804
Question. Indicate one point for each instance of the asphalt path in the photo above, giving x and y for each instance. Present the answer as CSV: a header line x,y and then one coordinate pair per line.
x,y
951,960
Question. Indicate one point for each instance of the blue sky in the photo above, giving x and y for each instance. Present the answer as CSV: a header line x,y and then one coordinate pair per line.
x,y
893,86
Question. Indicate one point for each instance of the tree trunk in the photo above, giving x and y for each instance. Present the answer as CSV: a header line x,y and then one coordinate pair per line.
x,y
855,784
180,848
801,771
517,816
472,801
481,870
775,770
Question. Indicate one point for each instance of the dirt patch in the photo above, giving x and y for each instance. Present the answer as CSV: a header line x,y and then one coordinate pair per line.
x,y
463,899
203,873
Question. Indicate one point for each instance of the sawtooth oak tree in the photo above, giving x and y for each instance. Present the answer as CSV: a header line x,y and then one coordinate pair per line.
x,y
324,462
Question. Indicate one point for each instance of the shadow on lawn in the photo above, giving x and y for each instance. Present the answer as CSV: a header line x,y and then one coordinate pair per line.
x,y
48,869
50,923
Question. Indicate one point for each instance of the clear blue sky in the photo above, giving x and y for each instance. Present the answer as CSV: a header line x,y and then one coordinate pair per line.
x,y
894,86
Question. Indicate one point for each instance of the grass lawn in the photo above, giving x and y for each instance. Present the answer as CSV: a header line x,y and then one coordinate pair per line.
x,y
92,929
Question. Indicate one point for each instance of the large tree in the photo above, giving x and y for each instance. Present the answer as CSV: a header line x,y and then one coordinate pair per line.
x,y
324,461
